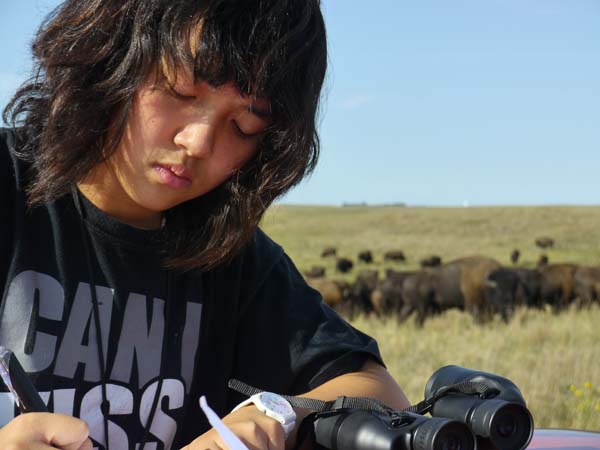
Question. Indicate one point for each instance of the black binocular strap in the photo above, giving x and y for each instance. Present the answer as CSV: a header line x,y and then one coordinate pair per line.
x,y
342,402
482,389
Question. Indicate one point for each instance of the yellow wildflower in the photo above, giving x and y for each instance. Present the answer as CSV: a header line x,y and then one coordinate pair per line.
x,y
597,408
587,385
572,388
578,393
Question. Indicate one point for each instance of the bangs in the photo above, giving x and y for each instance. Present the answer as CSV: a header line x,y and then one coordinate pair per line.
x,y
263,48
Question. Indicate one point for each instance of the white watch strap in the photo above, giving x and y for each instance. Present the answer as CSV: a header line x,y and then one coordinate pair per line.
x,y
248,401
287,427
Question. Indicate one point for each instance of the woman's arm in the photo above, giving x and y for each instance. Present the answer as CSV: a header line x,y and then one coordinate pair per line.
x,y
373,381
260,432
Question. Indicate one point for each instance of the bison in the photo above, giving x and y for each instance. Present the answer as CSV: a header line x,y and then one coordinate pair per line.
x,y
366,256
394,255
504,291
387,298
328,251
558,285
431,261
544,242
531,281
514,256
457,284
474,271
363,286
344,265
335,293
315,272
587,285
419,294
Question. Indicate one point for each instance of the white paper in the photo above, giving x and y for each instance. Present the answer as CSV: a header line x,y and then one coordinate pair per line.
x,y
230,439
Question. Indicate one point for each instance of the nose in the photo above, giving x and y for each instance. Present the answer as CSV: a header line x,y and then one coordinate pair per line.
x,y
197,138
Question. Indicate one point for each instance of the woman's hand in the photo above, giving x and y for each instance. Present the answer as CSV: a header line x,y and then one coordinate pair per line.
x,y
254,428
45,431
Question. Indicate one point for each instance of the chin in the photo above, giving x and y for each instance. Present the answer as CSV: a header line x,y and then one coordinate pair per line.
x,y
155,204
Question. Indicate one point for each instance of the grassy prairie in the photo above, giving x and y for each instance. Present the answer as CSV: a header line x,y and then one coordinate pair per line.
x,y
555,360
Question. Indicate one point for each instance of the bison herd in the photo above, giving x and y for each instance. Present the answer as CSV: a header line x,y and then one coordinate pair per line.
x,y
477,284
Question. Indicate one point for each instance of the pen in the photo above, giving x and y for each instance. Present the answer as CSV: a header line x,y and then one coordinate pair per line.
x,y
231,440
18,383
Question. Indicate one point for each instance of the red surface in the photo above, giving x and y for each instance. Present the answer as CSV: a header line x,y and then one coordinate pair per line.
x,y
565,439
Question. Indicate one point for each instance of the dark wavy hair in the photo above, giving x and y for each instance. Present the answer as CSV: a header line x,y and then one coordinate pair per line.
x,y
91,56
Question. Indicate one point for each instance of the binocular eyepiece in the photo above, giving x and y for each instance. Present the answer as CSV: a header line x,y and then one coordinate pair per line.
x,y
362,430
502,422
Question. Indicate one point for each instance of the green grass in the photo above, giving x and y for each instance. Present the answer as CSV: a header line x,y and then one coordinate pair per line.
x,y
554,359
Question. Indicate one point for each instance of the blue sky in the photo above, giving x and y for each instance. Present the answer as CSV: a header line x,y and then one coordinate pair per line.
x,y
430,102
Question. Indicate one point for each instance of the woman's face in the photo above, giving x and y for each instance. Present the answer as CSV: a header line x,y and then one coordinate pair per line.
x,y
178,145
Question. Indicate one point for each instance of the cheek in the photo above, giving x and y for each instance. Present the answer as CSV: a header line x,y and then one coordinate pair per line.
x,y
151,117
242,152
239,159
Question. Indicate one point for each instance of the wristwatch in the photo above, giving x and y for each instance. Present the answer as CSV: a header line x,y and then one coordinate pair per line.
x,y
274,406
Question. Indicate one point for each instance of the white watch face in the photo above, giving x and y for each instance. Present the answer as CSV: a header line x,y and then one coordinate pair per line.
x,y
276,403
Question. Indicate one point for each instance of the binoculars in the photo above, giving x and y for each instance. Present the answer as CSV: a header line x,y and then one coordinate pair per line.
x,y
501,422
369,430
470,410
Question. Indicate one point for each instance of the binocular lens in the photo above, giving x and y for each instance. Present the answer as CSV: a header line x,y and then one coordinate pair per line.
x,y
442,434
453,438
511,427
451,442
506,427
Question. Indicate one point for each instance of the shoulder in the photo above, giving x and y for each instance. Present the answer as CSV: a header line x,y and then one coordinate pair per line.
x,y
257,261
261,269
262,249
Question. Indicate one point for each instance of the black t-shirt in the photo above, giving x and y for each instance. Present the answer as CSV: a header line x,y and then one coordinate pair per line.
x,y
255,320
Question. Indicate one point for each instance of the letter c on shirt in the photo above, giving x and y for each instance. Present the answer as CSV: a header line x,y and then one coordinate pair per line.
x,y
18,317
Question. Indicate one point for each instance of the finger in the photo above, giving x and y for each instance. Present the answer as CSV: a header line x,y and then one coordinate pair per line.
x,y
39,446
252,436
277,441
206,446
87,445
66,432
49,430
275,434
267,432
205,442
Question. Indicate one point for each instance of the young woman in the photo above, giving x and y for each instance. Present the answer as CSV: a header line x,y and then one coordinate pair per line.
x,y
139,161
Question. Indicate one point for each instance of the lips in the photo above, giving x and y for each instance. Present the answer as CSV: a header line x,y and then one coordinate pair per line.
x,y
174,175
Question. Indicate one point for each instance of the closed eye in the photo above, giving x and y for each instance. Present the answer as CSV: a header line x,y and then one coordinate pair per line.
x,y
182,97
244,135
178,95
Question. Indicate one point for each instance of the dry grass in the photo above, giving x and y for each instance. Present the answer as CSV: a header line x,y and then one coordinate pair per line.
x,y
540,352
555,360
